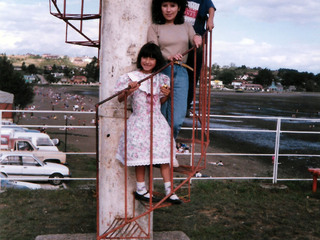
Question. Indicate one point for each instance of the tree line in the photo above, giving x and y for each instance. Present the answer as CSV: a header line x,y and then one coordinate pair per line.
x,y
91,71
303,81
12,81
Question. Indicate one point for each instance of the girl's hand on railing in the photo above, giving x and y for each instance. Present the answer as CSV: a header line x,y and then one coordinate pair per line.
x,y
132,86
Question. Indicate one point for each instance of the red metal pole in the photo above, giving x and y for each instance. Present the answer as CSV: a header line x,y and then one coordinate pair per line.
x,y
64,8
97,166
81,21
194,105
125,156
151,154
172,122
314,184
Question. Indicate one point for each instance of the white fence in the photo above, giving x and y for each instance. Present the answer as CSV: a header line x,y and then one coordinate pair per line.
x,y
277,131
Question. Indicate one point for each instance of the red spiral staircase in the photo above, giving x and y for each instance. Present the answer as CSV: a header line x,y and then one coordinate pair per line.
x,y
126,227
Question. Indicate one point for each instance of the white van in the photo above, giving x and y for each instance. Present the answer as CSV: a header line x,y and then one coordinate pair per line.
x,y
41,140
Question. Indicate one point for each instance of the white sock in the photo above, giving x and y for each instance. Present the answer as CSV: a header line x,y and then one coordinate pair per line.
x,y
141,188
167,187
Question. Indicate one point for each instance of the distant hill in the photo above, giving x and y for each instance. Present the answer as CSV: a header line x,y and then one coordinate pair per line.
x,y
48,60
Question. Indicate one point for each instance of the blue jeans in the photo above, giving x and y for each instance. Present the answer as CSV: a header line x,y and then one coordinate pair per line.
x,y
180,97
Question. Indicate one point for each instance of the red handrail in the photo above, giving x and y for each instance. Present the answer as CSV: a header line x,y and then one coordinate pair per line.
x,y
200,122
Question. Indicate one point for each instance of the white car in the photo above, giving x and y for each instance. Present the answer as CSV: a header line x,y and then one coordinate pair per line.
x,y
27,166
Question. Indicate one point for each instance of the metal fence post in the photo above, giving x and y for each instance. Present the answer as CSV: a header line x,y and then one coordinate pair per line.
x,y
276,152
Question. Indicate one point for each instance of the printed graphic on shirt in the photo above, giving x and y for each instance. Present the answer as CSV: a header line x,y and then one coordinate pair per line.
x,y
191,12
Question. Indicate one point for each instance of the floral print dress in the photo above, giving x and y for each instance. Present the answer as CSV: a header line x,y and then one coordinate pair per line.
x,y
138,124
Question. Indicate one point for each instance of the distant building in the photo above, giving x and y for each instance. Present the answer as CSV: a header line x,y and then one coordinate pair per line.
x,y
239,83
77,60
87,59
30,78
30,55
49,56
275,87
292,88
65,80
244,77
217,84
58,75
253,87
78,79
80,60
6,103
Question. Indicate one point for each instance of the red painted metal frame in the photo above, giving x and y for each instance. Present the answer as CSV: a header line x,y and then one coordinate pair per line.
x,y
67,17
315,173
201,122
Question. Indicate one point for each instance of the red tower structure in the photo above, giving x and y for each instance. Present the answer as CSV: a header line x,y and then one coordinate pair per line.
x,y
76,21
125,227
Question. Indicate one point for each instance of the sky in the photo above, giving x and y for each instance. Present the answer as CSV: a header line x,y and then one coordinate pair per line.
x,y
269,34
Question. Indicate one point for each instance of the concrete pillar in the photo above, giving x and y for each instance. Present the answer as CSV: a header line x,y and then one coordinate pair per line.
x,y
123,32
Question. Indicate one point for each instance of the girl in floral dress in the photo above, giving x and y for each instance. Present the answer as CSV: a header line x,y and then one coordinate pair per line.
x,y
149,60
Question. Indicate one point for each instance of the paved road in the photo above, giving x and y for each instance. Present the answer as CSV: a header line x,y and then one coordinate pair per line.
x,y
42,79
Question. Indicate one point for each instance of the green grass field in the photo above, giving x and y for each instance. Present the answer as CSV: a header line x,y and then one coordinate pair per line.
x,y
218,210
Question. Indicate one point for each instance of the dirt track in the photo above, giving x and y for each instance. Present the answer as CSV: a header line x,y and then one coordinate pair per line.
x,y
64,98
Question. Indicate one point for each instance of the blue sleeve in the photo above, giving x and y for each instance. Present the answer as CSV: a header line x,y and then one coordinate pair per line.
x,y
214,7
210,4
205,6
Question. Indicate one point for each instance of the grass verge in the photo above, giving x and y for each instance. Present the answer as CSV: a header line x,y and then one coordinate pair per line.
x,y
218,210
25,214
244,210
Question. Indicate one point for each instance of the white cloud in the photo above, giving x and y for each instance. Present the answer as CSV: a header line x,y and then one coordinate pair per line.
x,y
268,33
8,40
247,41
278,59
28,27
265,55
272,10
256,33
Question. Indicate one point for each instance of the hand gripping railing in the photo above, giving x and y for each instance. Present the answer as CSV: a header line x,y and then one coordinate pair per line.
x,y
128,227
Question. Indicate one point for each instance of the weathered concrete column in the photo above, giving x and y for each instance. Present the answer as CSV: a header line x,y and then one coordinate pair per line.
x,y
123,32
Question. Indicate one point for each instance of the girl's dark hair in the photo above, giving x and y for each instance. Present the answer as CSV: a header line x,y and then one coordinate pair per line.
x,y
151,50
157,16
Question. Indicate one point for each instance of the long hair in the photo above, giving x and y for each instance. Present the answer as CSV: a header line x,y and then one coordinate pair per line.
x,y
153,51
157,16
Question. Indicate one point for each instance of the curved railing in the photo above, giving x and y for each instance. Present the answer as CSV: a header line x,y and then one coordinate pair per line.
x,y
200,112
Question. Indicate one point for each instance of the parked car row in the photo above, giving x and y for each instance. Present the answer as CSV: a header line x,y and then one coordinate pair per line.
x,y
5,183
31,155
40,140
27,166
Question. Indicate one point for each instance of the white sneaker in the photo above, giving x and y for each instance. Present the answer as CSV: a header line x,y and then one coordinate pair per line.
x,y
174,199
220,163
